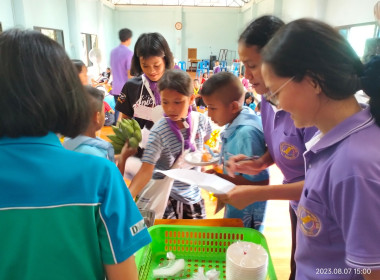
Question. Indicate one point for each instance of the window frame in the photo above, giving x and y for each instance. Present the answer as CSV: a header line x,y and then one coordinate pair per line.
x,y
58,33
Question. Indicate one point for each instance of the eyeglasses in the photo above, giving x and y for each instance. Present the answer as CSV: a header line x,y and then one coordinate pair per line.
x,y
271,96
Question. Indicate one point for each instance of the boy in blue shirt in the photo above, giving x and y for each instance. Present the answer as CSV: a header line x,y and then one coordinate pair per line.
x,y
224,95
88,142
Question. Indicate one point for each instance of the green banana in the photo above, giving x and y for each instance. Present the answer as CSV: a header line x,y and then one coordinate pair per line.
x,y
119,133
137,135
135,124
127,130
115,139
126,121
117,147
133,143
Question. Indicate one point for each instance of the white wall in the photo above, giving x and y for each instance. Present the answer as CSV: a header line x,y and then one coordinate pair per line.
x,y
207,29
106,40
334,12
147,19
42,13
343,12
6,14
294,9
89,16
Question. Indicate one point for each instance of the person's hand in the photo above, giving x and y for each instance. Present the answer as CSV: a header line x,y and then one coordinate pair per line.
x,y
240,164
239,197
127,151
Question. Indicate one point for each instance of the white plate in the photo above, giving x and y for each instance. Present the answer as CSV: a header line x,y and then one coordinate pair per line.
x,y
195,158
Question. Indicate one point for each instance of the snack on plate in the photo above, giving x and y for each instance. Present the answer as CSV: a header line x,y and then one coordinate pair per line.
x,y
206,157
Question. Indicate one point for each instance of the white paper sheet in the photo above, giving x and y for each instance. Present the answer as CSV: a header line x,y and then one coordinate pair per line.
x,y
209,182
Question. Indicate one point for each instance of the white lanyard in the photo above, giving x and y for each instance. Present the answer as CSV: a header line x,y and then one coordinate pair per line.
x,y
145,84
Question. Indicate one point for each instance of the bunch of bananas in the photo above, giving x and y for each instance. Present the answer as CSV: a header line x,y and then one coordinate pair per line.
x,y
126,129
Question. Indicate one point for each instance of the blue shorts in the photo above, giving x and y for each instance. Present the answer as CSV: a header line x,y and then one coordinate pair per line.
x,y
252,216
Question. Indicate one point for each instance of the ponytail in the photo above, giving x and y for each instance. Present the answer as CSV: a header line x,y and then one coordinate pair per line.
x,y
370,83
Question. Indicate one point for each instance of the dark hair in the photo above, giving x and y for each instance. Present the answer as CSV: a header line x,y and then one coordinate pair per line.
x,y
40,88
125,34
95,99
78,64
260,31
308,47
233,89
248,95
258,106
177,80
151,44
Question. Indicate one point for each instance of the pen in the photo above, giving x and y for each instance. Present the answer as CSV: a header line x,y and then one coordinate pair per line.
x,y
243,159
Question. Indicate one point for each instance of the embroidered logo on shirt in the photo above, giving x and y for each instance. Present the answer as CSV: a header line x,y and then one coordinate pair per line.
x,y
289,151
308,222
121,98
139,226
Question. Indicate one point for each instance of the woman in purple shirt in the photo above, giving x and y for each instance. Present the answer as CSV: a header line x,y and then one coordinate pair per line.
x,y
285,142
313,73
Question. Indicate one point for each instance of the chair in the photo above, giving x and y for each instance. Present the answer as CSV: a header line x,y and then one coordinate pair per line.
x,y
200,69
235,68
223,65
182,65
206,66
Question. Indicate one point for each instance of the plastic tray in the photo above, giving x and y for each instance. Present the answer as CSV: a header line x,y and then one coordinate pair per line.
x,y
200,246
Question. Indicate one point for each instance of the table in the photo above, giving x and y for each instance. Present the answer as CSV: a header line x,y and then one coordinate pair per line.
x,y
192,62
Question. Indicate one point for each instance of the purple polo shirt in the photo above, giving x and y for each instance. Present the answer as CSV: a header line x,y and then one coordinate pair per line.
x,y
338,214
216,69
121,57
286,143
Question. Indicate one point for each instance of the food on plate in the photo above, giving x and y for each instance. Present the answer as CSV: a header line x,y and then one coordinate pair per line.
x,y
206,157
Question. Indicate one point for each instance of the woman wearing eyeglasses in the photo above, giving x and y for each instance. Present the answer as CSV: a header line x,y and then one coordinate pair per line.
x,y
285,142
318,73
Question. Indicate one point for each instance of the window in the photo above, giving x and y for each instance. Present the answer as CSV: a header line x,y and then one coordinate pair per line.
x,y
358,34
55,34
89,41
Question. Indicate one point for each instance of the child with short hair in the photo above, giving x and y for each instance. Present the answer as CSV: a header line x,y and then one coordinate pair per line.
x,y
181,129
82,70
88,142
224,95
204,78
258,109
216,67
249,100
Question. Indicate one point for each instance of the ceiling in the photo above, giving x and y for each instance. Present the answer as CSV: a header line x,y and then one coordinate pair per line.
x,y
194,3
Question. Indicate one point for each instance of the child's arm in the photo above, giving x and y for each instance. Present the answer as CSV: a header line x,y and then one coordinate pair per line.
x,y
126,152
141,179
241,196
251,167
125,270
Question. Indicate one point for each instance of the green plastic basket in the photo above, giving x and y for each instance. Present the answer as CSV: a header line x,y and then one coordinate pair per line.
x,y
199,246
